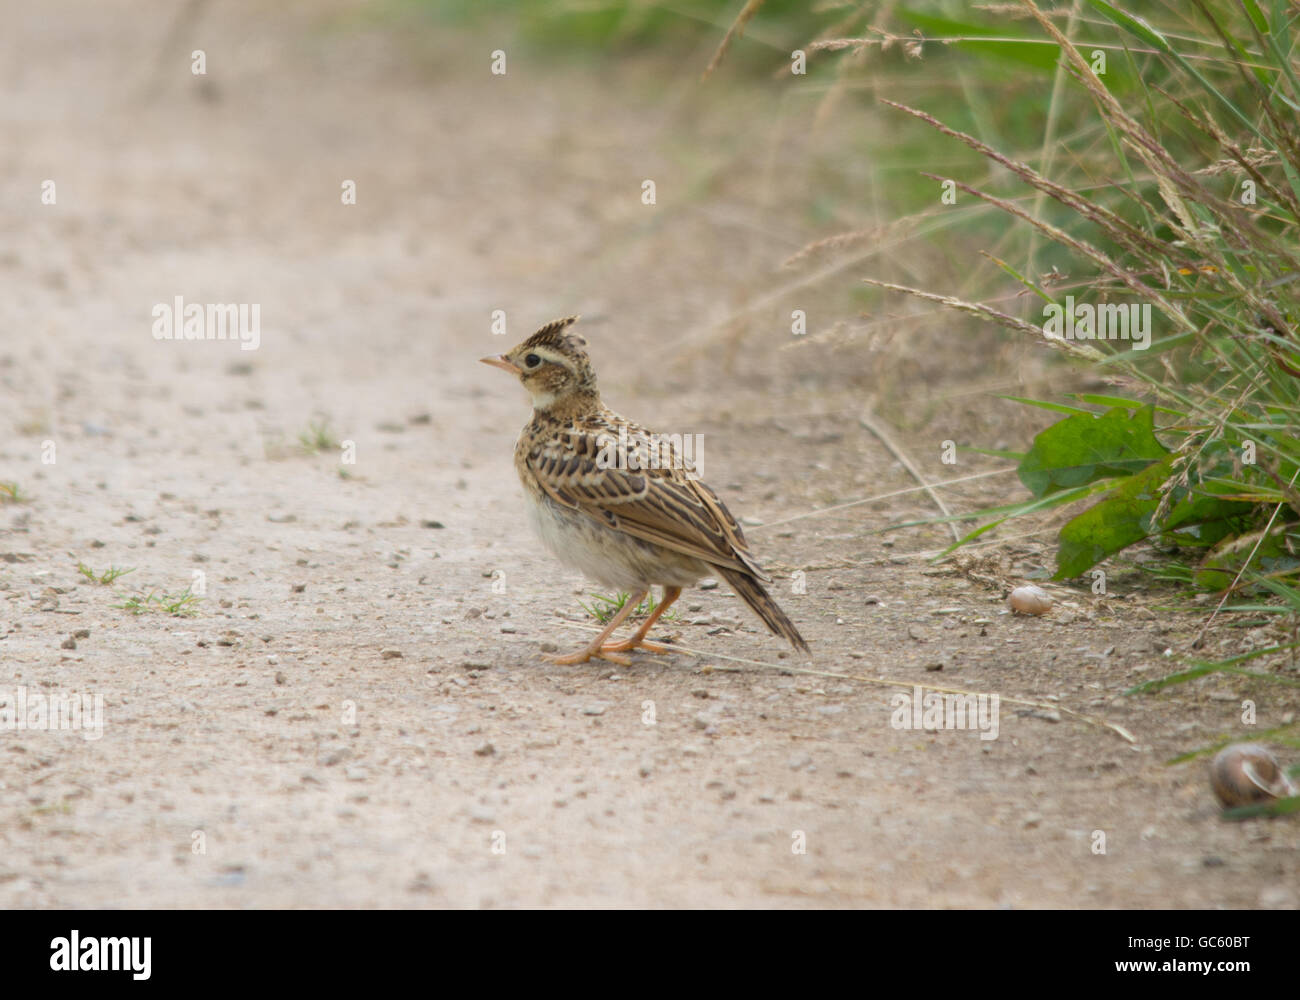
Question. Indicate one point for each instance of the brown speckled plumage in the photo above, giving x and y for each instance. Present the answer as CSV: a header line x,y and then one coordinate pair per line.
x,y
604,504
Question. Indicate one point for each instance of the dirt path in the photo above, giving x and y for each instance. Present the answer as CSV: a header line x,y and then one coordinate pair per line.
x,y
357,716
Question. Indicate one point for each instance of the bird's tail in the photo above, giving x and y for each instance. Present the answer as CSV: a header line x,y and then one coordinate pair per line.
x,y
753,594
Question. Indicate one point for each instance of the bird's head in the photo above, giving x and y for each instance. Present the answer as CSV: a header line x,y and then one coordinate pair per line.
x,y
553,366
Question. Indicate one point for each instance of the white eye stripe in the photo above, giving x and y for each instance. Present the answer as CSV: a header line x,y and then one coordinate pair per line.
x,y
548,355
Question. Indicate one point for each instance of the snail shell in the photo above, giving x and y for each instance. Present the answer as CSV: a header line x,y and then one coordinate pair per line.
x,y
1030,600
1246,773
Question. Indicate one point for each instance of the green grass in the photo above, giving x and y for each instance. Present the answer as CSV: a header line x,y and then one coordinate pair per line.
x,y
104,578
604,608
318,438
1200,450
180,605
11,493
1177,190
1280,807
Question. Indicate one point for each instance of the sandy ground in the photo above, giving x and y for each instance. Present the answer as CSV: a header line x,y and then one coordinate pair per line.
x,y
357,714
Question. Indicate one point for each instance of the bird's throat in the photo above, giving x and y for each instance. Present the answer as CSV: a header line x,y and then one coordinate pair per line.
x,y
568,406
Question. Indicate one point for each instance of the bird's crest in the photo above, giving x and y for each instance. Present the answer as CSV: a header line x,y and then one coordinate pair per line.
x,y
555,334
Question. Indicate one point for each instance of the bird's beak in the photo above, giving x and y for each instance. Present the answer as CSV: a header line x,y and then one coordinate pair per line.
x,y
502,362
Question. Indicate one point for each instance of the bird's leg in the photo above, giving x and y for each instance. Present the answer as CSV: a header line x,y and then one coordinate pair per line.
x,y
596,647
638,641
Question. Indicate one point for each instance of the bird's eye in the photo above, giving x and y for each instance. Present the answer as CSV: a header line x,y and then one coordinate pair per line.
x,y
532,361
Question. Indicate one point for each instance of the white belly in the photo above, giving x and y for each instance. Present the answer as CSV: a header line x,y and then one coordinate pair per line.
x,y
607,556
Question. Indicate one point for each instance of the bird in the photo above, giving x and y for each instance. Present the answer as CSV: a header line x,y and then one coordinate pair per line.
x,y
622,504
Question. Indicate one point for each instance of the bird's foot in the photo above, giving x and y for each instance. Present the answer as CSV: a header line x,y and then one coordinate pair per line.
x,y
635,643
609,652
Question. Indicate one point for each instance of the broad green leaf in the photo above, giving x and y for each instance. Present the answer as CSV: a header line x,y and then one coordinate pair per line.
x,y
1115,523
1086,447
1196,518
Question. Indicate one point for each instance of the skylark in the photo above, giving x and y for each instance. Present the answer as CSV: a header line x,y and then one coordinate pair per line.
x,y
618,502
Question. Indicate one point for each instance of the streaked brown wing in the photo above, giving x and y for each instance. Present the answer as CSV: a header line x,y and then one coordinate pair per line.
x,y
664,505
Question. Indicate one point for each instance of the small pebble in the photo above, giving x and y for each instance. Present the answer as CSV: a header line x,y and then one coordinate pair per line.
x,y
1030,600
